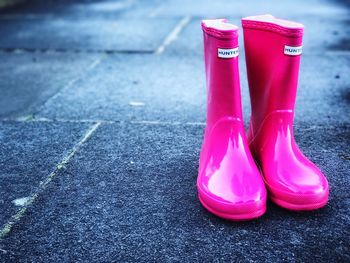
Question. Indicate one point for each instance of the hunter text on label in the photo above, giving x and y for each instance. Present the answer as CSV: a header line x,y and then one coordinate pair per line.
x,y
292,51
227,52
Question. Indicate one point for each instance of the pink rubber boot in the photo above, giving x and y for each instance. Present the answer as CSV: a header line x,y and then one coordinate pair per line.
x,y
229,183
273,49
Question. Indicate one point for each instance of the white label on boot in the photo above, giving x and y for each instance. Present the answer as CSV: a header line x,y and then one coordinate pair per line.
x,y
292,51
227,52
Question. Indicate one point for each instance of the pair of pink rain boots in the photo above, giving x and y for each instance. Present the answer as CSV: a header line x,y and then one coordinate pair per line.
x,y
236,169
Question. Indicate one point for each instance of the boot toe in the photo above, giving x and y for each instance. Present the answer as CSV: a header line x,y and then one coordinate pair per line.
x,y
300,197
229,183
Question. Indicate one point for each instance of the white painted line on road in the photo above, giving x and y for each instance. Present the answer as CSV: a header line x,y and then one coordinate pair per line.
x,y
43,185
173,35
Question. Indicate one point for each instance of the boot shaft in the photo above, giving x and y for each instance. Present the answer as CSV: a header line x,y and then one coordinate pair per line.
x,y
222,73
273,49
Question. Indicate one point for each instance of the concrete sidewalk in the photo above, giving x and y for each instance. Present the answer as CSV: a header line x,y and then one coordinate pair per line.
x,y
102,111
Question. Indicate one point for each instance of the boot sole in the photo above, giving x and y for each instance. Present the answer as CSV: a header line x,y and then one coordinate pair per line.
x,y
298,207
234,217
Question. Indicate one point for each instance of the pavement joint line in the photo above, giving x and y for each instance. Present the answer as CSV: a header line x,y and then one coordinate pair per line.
x,y
7,227
8,3
173,34
32,118
78,51
155,11
25,16
125,5
168,123
124,51
43,119
337,52
94,64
